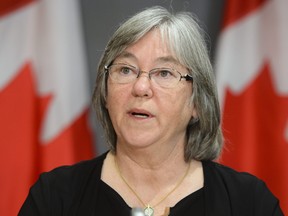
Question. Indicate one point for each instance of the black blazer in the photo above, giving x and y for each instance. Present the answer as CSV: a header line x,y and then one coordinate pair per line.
x,y
73,190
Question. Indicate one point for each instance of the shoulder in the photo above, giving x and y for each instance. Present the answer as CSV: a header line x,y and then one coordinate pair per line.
x,y
82,166
74,173
77,169
63,189
241,190
68,181
240,182
228,174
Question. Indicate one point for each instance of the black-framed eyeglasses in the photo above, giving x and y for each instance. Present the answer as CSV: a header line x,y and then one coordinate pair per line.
x,y
163,77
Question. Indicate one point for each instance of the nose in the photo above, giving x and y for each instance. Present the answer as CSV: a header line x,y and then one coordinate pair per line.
x,y
142,86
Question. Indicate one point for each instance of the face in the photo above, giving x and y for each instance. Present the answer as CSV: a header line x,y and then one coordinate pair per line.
x,y
142,113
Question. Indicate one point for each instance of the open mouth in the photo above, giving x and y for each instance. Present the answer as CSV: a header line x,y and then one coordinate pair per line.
x,y
140,115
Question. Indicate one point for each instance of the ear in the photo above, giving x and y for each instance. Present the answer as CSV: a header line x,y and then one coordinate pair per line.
x,y
194,113
194,116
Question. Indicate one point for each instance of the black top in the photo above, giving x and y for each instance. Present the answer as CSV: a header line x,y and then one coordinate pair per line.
x,y
78,190
112,203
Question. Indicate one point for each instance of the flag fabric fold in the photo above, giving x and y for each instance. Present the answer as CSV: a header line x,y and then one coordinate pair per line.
x,y
44,98
252,78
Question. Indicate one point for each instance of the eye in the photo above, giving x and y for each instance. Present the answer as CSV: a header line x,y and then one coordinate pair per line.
x,y
164,73
125,70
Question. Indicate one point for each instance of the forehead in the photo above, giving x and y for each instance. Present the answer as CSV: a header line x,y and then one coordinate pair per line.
x,y
126,55
152,47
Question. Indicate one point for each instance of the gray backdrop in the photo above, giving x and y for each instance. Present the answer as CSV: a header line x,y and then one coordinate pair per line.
x,y
101,18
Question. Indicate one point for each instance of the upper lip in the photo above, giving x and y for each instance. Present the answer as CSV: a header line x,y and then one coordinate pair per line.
x,y
140,112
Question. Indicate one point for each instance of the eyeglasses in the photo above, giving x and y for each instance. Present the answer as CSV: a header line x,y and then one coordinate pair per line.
x,y
163,77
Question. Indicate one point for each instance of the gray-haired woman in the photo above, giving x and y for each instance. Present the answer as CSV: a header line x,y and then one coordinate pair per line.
x,y
155,96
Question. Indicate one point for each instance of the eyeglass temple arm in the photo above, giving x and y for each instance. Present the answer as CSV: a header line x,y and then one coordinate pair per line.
x,y
187,77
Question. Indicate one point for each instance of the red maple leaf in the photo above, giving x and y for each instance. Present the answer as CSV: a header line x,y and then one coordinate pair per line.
x,y
21,113
22,155
254,125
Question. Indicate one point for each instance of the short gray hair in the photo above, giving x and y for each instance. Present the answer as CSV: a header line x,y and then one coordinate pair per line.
x,y
185,39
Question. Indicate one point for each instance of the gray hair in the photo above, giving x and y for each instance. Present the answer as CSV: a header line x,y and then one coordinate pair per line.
x,y
185,39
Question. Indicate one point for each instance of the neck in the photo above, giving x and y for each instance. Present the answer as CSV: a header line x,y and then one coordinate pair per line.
x,y
151,173
152,157
149,202
150,181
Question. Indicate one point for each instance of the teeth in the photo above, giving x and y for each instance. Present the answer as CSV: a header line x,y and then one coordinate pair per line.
x,y
140,115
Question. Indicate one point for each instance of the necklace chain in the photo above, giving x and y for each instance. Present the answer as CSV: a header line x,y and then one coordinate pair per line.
x,y
148,207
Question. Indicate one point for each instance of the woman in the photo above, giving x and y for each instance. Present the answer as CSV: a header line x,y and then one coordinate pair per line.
x,y
156,98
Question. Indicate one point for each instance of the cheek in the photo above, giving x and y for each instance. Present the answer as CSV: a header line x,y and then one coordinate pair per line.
x,y
115,96
177,107
183,106
113,106
180,98
111,101
110,97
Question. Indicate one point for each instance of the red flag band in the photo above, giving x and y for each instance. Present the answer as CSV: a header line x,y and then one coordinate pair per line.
x,y
43,94
252,78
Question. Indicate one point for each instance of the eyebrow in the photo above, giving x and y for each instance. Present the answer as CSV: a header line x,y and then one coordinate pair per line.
x,y
163,59
169,59
126,54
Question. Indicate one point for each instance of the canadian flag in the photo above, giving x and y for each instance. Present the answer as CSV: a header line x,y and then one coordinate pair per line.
x,y
252,78
44,95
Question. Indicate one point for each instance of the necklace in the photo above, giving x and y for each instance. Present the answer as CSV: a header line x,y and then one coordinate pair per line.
x,y
148,209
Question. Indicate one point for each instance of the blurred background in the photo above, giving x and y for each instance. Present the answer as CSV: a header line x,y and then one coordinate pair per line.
x,y
49,52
